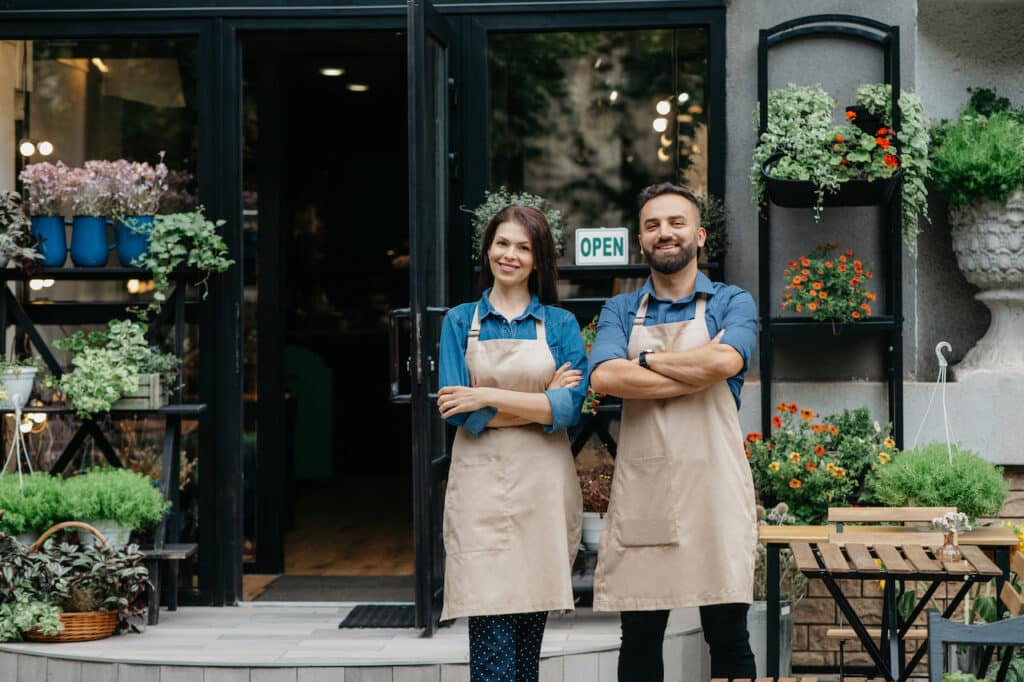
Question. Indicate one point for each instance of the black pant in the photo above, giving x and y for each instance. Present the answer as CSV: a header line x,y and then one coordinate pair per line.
x,y
725,631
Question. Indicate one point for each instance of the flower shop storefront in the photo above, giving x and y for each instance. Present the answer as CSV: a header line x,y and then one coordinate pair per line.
x,y
338,143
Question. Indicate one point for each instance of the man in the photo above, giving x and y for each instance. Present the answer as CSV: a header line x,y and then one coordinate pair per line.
x,y
681,527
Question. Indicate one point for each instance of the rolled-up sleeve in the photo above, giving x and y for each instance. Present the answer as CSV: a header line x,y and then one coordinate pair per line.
x,y
566,402
611,341
740,325
453,372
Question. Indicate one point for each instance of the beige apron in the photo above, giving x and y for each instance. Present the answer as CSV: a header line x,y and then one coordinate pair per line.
x,y
512,509
681,525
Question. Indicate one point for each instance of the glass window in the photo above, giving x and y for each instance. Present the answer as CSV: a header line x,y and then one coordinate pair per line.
x,y
587,119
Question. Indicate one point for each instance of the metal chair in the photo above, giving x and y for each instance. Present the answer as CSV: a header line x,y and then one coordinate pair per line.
x,y
941,631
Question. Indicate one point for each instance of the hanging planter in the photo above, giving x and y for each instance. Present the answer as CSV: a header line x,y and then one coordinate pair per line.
x,y
803,194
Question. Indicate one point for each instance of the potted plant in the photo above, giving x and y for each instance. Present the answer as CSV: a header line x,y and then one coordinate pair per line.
x,y
713,216
88,194
92,590
44,185
137,190
189,239
17,243
30,505
978,165
596,487
830,284
17,378
812,463
937,475
114,501
108,365
494,201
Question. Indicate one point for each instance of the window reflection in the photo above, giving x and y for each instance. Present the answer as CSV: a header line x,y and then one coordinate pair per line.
x,y
587,119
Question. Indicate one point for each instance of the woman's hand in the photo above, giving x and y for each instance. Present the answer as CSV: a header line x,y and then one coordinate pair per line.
x,y
565,377
458,399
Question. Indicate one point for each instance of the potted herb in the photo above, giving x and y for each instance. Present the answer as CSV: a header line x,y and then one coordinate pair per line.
x,y
88,194
92,590
978,165
811,463
114,501
189,239
112,364
44,185
30,505
829,284
17,378
496,200
17,243
137,191
935,475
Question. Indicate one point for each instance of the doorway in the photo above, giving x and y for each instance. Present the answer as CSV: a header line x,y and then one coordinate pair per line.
x,y
329,513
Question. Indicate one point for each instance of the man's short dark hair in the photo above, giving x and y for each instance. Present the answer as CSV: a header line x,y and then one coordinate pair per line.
x,y
652,191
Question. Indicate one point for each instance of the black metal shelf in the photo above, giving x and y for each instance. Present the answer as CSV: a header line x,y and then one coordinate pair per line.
x,y
94,274
181,409
92,312
883,323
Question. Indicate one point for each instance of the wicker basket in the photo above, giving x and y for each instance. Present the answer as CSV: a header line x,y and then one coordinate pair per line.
x,y
85,625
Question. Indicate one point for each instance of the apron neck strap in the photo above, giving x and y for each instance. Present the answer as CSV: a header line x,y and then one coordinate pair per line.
x,y
641,312
474,327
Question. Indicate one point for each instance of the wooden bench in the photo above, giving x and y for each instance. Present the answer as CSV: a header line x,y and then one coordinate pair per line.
x,y
915,634
155,559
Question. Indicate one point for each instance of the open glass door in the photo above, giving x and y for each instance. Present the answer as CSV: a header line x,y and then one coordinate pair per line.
x,y
428,212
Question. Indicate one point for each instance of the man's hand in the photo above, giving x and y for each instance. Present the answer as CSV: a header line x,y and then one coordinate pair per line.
x,y
565,377
458,399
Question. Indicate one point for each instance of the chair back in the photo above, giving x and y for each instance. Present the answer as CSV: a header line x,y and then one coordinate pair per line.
x,y
941,631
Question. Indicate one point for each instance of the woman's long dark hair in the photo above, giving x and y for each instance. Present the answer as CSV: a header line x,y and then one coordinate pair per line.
x,y
544,278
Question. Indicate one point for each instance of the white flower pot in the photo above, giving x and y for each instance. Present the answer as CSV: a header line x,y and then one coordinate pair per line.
x,y
27,538
17,385
757,626
988,239
593,523
115,533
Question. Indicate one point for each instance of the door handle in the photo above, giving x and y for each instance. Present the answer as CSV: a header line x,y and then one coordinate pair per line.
x,y
394,351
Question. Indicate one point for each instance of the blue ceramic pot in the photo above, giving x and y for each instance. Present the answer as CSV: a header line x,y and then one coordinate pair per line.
x,y
133,238
49,229
89,247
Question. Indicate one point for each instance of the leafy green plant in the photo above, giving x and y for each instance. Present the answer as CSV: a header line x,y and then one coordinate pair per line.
x,y
32,503
928,476
107,365
811,464
792,582
828,284
592,399
121,495
713,217
17,243
23,613
496,200
913,140
189,239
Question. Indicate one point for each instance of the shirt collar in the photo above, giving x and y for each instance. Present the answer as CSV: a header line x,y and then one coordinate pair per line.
x,y
534,309
703,285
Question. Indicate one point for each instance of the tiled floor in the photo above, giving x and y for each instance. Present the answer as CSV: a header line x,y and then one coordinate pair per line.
x,y
298,640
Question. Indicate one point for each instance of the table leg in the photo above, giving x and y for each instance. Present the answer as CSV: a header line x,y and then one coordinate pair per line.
x,y
923,649
855,622
773,610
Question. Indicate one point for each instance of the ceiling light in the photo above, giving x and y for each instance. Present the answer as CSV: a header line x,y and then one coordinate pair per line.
x,y
665,142
35,284
100,64
660,124
614,96
683,97
27,148
663,155
663,107
45,148
358,87
331,71
133,286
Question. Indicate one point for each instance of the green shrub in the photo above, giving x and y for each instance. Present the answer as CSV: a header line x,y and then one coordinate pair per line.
x,y
120,495
925,477
978,157
35,506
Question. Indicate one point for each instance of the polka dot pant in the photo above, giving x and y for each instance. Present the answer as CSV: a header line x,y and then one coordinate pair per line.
x,y
506,648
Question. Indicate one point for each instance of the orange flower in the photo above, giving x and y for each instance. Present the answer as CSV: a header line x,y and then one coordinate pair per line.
x,y
805,272
799,308
839,138
858,266
840,472
754,437
865,306
842,259
747,452
850,115
833,429
817,428
792,263
882,142
794,457
870,296
828,264
796,280
855,315
842,162
889,442
830,467
820,271
817,285
891,161
781,407
882,131
841,268
777,421
867,309
794,483
792,408
805,261
823,295
812,306
807,414
849,252
819,449
855,281
810,466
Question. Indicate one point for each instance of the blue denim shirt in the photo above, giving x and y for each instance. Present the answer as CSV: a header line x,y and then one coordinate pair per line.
x,y
728,307
563,337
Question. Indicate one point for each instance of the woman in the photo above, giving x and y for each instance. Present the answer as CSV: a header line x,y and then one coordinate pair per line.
x,y
512,507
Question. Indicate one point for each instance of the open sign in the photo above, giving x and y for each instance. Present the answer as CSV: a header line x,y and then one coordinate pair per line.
x,y
602,245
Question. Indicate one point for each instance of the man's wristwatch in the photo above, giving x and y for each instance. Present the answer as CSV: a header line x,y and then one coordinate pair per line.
x,y
643,357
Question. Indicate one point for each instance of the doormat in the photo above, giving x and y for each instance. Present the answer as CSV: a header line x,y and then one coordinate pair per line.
x,y
380,616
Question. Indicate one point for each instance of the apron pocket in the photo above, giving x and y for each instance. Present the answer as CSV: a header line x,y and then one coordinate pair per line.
x,y
476,517
648,513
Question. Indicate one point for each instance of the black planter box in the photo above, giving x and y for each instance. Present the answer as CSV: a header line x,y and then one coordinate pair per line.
x,y
865,121
801,193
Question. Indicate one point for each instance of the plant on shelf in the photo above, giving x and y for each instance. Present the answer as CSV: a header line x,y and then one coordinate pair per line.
x,y
829,284
593,398
107,365
17,243
812,463
713,217
912,138
792,583
87,190
595,470
44,185
106,497
189,239
934,475
32,505
498,199
802,143
136,187
67,579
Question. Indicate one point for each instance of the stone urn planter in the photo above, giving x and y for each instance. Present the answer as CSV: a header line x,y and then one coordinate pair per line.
x,y
988,239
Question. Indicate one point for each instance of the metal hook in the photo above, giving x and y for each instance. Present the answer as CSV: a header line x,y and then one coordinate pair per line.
x,y
942,345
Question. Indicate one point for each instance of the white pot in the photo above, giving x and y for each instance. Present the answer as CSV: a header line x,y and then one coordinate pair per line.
x,y
27,538
593,522
988,239
115,533
18,385
757,626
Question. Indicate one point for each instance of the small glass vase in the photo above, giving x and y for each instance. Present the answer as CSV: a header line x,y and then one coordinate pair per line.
x,y
949,551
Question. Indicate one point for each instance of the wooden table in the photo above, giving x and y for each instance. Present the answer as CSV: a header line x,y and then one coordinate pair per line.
x,y
823,553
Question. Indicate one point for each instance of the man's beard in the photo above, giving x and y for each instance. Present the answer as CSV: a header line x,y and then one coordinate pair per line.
x,y
669,265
